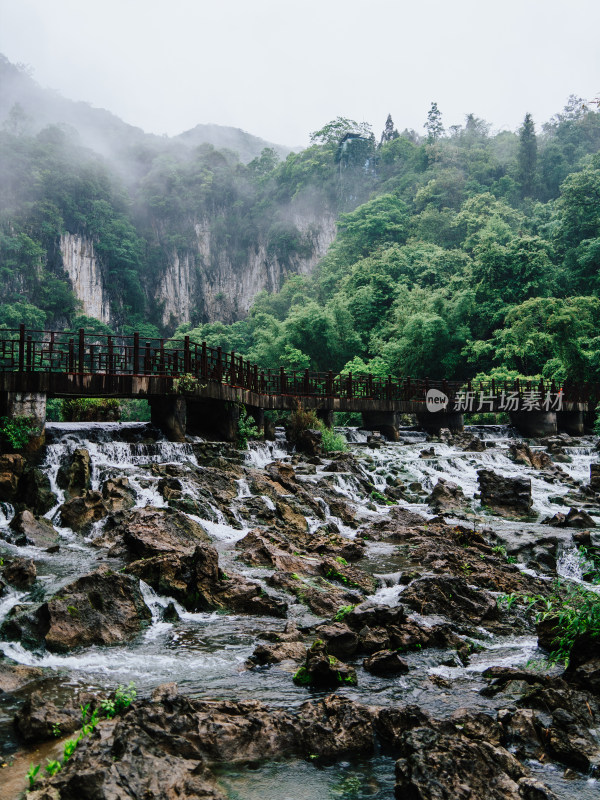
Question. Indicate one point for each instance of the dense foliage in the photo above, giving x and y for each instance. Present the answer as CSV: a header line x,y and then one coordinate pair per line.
x,y
475,254
459,252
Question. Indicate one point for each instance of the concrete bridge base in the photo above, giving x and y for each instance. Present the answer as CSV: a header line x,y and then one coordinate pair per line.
x,y
571,422
169,414
434,422
214,419
31,405
534,424
386,422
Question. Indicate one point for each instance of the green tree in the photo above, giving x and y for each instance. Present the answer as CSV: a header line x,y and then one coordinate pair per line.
x,y
434,125
527,156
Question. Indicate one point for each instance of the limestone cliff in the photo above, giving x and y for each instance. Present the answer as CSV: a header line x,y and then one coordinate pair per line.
x,y
201,283
86,275
204,285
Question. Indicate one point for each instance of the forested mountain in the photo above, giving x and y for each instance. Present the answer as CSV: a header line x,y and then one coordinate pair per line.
x,y
474,254
450,253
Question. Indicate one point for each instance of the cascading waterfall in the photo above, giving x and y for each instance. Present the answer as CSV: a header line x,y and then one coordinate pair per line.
x,y
205,652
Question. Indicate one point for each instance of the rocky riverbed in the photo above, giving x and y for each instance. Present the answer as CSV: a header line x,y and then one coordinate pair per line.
x,y
297,627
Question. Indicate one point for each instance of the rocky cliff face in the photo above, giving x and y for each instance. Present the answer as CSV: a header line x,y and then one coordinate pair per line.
x,y
86,275
205,285
200,284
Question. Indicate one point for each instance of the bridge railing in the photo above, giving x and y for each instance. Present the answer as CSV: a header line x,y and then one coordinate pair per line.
x,y
78,353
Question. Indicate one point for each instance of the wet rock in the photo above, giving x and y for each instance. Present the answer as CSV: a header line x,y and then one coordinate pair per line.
x,y
521,453
147,532
336,726
523,732
337,569
505,496
275,653
393,721
262,548
584,663
102,607
170,488
75,477
11,469
595,477
290,633
341,641
118,494
29,530
452,597
576,518
20,572
38,719
468,442
446,496
180,737
309,442
428,452
570,743
437,764
34,491
372,640
385,662
194,579
323,598
324,671
81,512
14,677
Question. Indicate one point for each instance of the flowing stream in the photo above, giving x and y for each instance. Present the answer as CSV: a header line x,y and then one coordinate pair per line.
x,y
205,653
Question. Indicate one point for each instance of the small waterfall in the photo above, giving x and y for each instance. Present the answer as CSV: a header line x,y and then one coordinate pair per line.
x,y
260,454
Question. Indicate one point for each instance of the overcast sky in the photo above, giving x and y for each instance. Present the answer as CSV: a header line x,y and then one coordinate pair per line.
x,y
283,68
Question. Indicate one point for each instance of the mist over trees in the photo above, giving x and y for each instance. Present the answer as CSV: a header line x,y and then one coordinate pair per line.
x,y
458,252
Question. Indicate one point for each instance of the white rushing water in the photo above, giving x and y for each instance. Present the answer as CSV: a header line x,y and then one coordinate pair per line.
x,y
206,652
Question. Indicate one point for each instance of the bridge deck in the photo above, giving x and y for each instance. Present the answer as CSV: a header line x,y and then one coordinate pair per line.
x,y
66,365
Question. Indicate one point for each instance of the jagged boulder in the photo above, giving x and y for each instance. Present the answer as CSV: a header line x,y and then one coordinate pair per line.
x,y
38,719
595,477
385,663
576,518
468,442
446,496
521,453
324,671
510,497
147,532
20,572
29,530
81,512
275,653
34,491
12,466
76,475
341,640
117,494
102,607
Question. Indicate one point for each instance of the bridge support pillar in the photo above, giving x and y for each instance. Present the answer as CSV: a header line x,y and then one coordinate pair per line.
x,y
571,422
216,420
386,422
589,417
534,424
169,414
433,422
326,416
27,404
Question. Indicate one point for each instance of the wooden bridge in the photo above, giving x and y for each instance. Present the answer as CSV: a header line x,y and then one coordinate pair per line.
x,y
199,389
